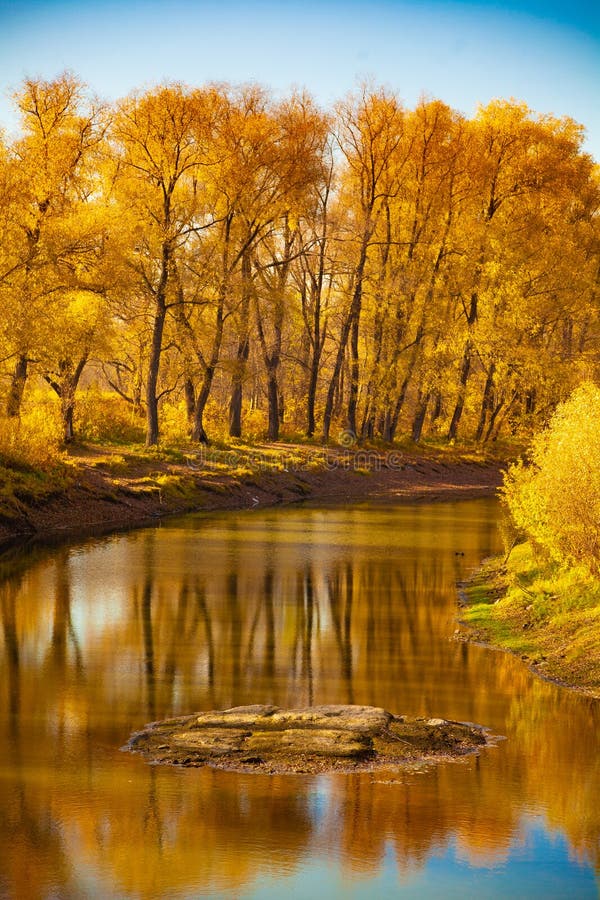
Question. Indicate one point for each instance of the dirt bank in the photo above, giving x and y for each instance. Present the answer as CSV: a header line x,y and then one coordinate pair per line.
x,y
106,488
549,618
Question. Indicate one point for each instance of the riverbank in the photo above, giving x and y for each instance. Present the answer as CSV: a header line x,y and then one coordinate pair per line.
x,y
548,616
109,487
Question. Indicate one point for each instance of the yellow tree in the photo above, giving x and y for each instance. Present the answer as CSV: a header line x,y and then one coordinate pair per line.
x,y
215,280
414,241
9,259
537,326
51,242
80,327
370,129
299,166
516,160
161,145
313,275
266,155
276,156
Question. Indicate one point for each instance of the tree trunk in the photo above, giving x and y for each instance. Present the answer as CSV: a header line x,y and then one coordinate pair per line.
x,y
388,427
465,369
67,409
315,332
273,395
530,401
317,347
495,412
17,387
420,414
64,384
437,406
367,426
243,352
352,323
372,391
237,389
486,402
152,382
462,385
335,377
312,397
393,417
497,421
156,350
190,400
198,430
354,373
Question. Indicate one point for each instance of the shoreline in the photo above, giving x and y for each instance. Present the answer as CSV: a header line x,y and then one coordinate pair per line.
x,y
469,635
541,649
108,490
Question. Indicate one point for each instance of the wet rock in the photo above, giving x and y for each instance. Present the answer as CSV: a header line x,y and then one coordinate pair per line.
x,y
368,719
310,741
315,739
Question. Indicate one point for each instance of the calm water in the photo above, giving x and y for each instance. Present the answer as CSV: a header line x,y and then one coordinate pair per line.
x,y
292,607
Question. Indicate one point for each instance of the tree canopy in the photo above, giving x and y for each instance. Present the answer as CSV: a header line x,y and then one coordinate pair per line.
x,y
218,258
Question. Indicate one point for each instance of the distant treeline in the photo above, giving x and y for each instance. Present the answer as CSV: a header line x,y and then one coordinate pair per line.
x,y
207,253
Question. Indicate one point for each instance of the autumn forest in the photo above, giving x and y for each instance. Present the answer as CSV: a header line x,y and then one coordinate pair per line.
x,y
213,261
316,364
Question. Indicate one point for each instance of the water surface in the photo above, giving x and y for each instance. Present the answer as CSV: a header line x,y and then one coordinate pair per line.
x,y
292,606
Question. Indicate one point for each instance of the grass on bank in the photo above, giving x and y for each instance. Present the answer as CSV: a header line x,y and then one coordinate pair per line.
x,y
545,612
34,462
35,465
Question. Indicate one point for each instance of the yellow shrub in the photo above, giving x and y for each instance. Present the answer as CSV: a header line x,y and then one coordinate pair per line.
x,y
254,424
104,416
35,439
174,427
556,500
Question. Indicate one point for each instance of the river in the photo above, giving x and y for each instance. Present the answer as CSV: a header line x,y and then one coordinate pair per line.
x,y
290,606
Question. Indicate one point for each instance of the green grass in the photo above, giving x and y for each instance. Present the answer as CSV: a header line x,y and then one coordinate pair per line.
x,y
535,608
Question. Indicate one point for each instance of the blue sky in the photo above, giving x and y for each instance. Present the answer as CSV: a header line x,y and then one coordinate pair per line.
x,y
545,53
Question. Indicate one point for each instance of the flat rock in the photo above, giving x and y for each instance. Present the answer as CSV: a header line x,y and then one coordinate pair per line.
x,y
344,718
313,739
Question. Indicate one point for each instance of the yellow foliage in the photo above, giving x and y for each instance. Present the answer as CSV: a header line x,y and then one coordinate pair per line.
x,y
556,500
174,423
391,269
103,416
34,439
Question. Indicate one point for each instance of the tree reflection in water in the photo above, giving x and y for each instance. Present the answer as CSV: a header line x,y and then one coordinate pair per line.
x,y
291,607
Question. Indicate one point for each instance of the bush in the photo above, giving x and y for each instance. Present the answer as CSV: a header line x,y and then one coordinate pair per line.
x,y
556,499
34,440
103,416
